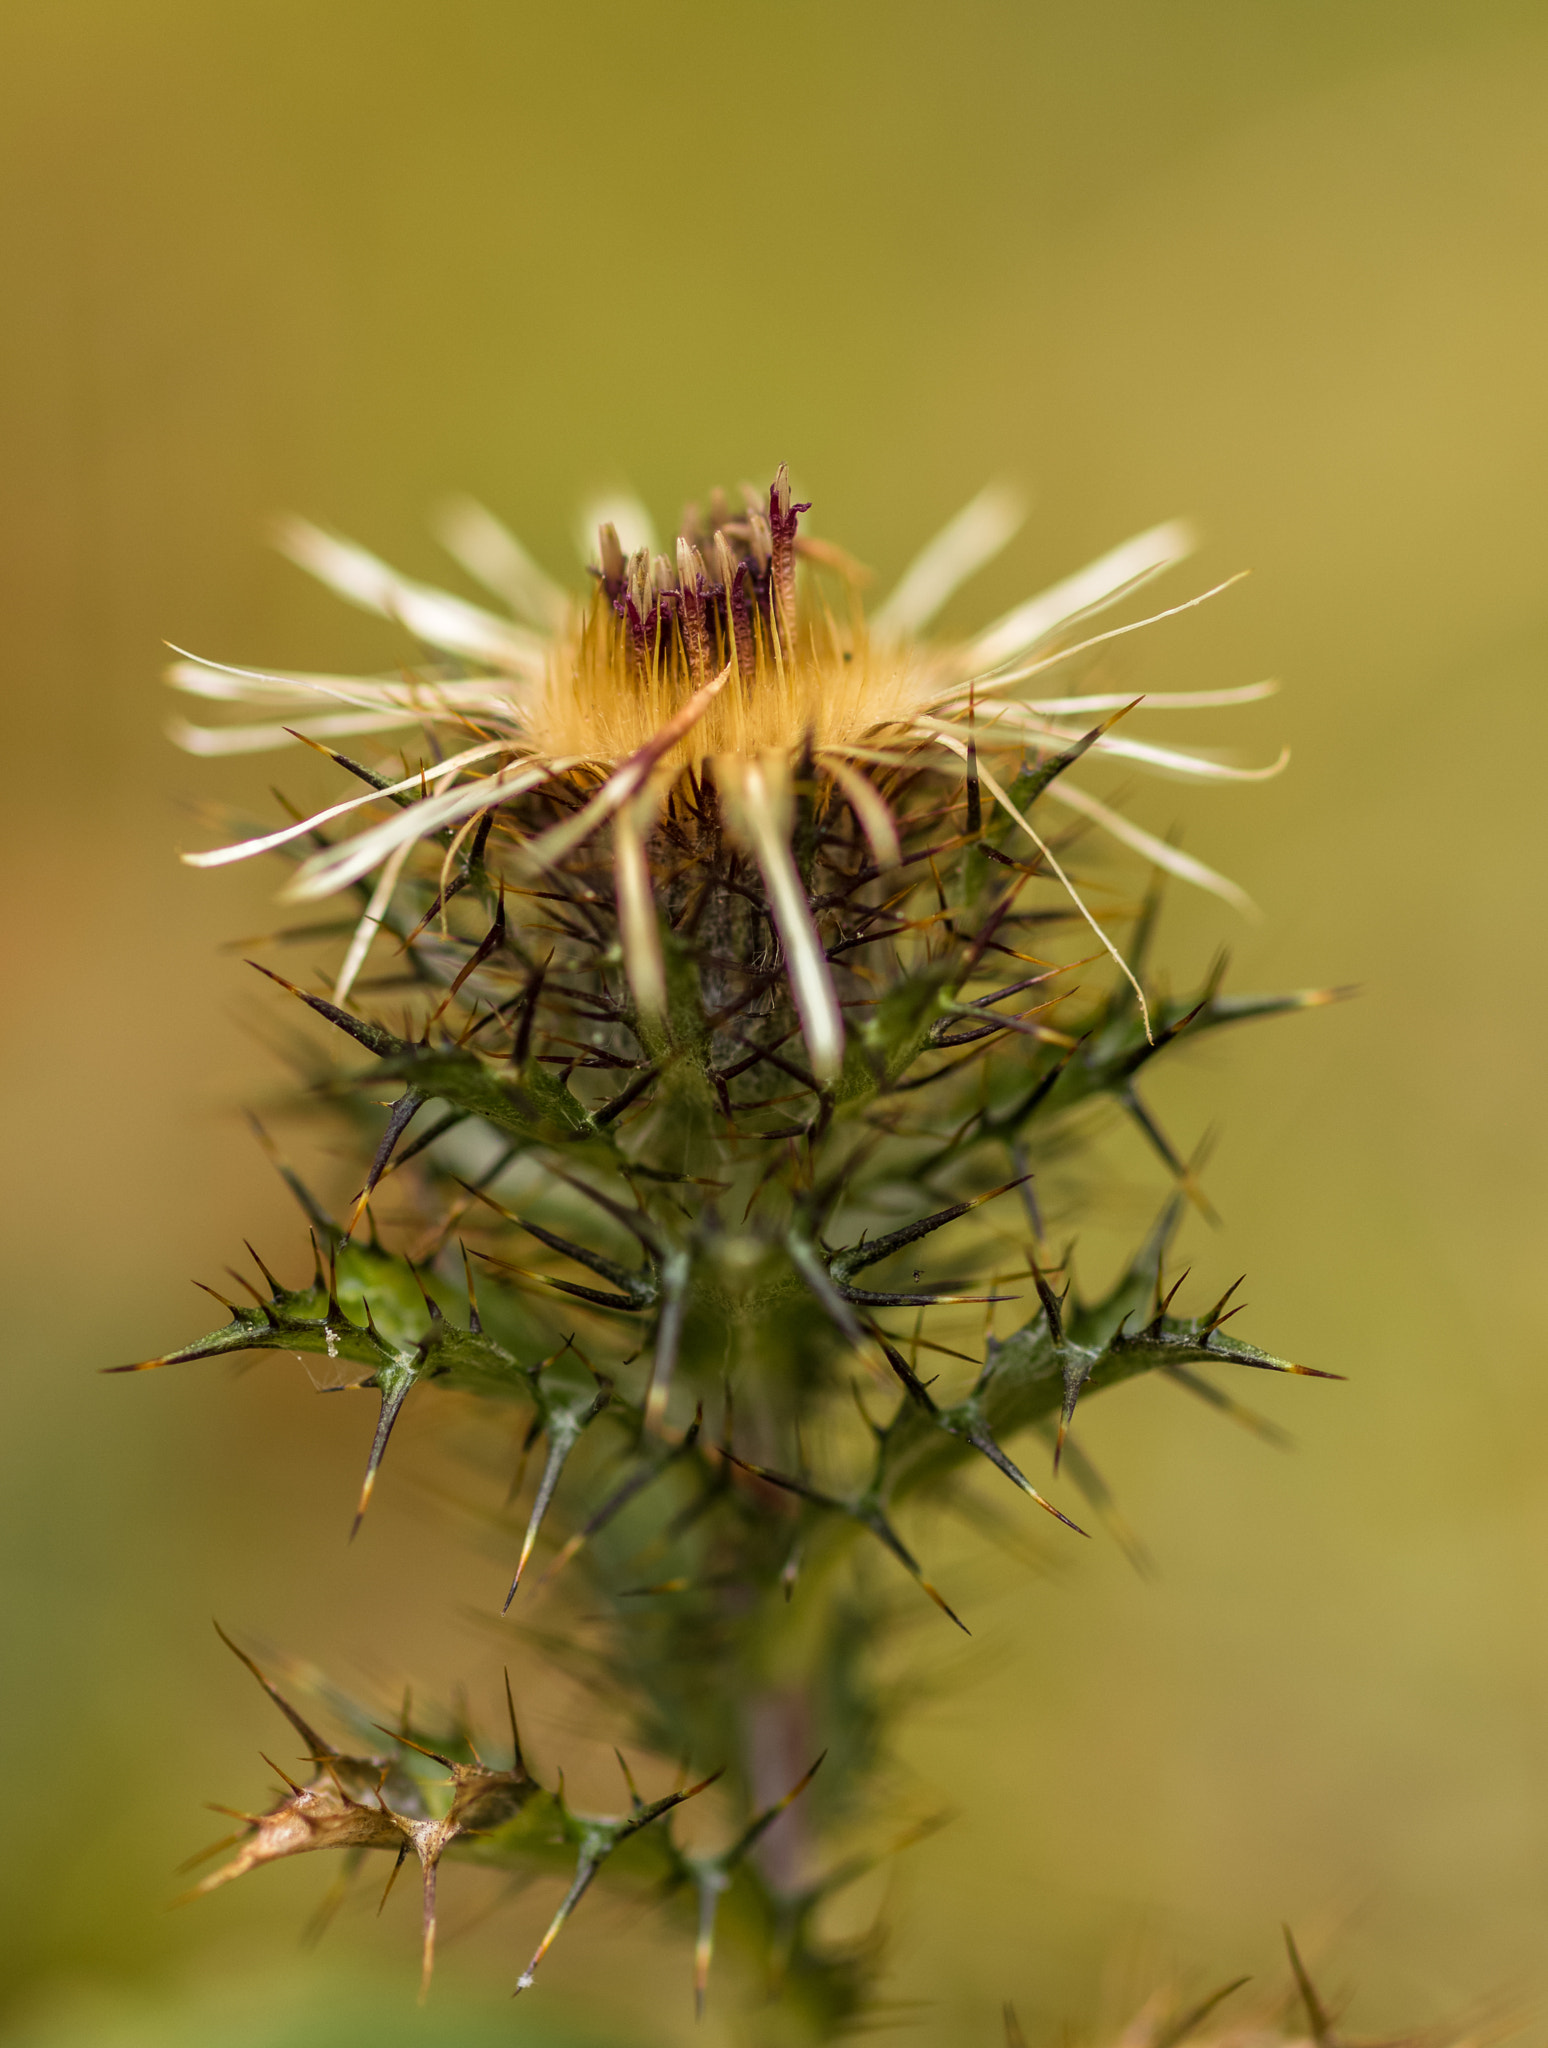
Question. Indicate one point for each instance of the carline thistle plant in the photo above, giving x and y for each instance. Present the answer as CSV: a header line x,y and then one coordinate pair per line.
x,y
735,983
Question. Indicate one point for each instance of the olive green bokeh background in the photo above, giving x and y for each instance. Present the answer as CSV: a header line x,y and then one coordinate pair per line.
x,y
1278,266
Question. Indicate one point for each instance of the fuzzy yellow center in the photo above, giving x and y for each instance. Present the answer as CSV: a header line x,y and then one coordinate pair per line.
x,y
795,668
836,689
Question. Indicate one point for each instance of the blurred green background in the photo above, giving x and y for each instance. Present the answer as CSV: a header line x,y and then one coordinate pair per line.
x,y
1279,266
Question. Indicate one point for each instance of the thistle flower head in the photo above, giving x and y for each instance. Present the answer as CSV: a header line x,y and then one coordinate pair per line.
x,y
704,682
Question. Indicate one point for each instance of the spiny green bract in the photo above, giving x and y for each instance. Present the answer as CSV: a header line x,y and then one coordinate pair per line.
x,y
708,1275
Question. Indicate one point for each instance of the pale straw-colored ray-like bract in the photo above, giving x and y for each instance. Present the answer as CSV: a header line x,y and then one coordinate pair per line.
x,y
961,548
727,663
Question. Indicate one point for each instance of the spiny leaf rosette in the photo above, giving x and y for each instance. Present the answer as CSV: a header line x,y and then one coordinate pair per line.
x,y
734,962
